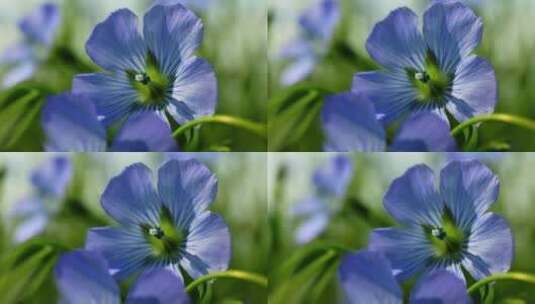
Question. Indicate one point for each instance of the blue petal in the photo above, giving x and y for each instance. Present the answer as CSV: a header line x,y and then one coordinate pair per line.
x,y
116,44
298,70
396,42
130,197
309,206
413,198
125,249
17,53
173,34
194,90
366,278
424,131
490,246
186,187
333,178
42,24
452,31
18,73
113,95
158,286
468,189
391,92
408,249
350,124
70,123
207,247
439,287
145,132
475,89
52,177
82,277
320,20
31,217
312,227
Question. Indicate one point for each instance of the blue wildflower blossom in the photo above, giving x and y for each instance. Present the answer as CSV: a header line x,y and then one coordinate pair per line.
x,y
350,124
157,71
366,278
71,124
449,228
316,26
33,213
40,28
431,72
167,227
330,184
83,277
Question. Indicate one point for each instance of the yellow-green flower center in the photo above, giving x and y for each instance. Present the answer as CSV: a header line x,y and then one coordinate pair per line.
x,y
151,85
447,240
165,239
431,84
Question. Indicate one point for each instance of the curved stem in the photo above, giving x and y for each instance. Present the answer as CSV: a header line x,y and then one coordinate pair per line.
x,y
231,274
504,118
253,127
514,276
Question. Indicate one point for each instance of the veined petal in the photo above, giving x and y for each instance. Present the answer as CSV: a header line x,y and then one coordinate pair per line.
x,y
366,278
130,197
490,246
71,125
194,90
158,286
332,178
42,24
468,188
407,249
52,177
207,247
396,42
82,277
413,198
145,132
439,287
116,44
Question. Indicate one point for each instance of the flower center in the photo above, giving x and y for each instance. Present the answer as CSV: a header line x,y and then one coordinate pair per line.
x,y
165,239
431,84
447,240
151,85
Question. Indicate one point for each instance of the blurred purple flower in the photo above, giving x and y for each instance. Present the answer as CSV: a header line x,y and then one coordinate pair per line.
x,y
350,124
83,277
71,124
33,213
39,28
330,184
433,72
448,228
167,228
366,278
316,25
157,71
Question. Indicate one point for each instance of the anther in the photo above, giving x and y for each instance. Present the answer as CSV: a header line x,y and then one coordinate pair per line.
x,y
156,232
142,78
438,233
421,76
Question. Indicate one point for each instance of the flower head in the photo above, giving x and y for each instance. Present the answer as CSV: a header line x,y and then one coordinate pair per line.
x,y
165,227
39,28
449,228
83,277
71,124
316,26
49,182
330,183
431,72
350,124
157,71
366,278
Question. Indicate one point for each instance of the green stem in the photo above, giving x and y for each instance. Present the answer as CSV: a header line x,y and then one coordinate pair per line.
x,y
504,118
231,274
253,127
515,276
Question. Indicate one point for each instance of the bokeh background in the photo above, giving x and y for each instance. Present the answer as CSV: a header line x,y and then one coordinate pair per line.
x,y
507,42
241,201
310,281
235,44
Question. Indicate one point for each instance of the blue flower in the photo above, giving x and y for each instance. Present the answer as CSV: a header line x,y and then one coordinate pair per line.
x,y
432,72
199,5
83,277
350,124
156,72
366,278
33,213
40,28
71,124
450,228
317,25
330,184
168,227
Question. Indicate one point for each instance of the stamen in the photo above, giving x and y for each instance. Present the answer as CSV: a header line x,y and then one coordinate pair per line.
x,y
421,76
439,233
142,78
156,232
